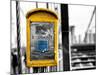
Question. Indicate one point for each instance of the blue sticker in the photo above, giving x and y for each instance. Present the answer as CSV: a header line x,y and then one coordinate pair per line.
x,y
42,45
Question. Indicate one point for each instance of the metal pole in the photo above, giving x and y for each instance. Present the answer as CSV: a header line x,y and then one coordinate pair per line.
x,y
91,19
47,5
65,36
36,4
18,37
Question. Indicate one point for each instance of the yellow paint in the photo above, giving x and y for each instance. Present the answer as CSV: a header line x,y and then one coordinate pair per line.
x,y
42,15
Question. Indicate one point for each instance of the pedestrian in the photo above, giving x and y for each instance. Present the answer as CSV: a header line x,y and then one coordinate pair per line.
x,y
14,61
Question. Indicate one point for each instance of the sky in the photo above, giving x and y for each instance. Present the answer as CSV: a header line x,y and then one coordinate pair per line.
x,y
79,16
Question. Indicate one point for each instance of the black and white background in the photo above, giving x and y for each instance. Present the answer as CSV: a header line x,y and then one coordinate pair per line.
x,y
5,49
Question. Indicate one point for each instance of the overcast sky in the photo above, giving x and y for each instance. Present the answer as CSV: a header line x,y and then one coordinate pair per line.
x,y
79,16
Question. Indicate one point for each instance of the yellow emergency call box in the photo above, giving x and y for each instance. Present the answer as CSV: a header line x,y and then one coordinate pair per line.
x,y
42,38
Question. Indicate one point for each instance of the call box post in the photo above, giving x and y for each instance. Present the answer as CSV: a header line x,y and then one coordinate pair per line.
x,y
42,38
